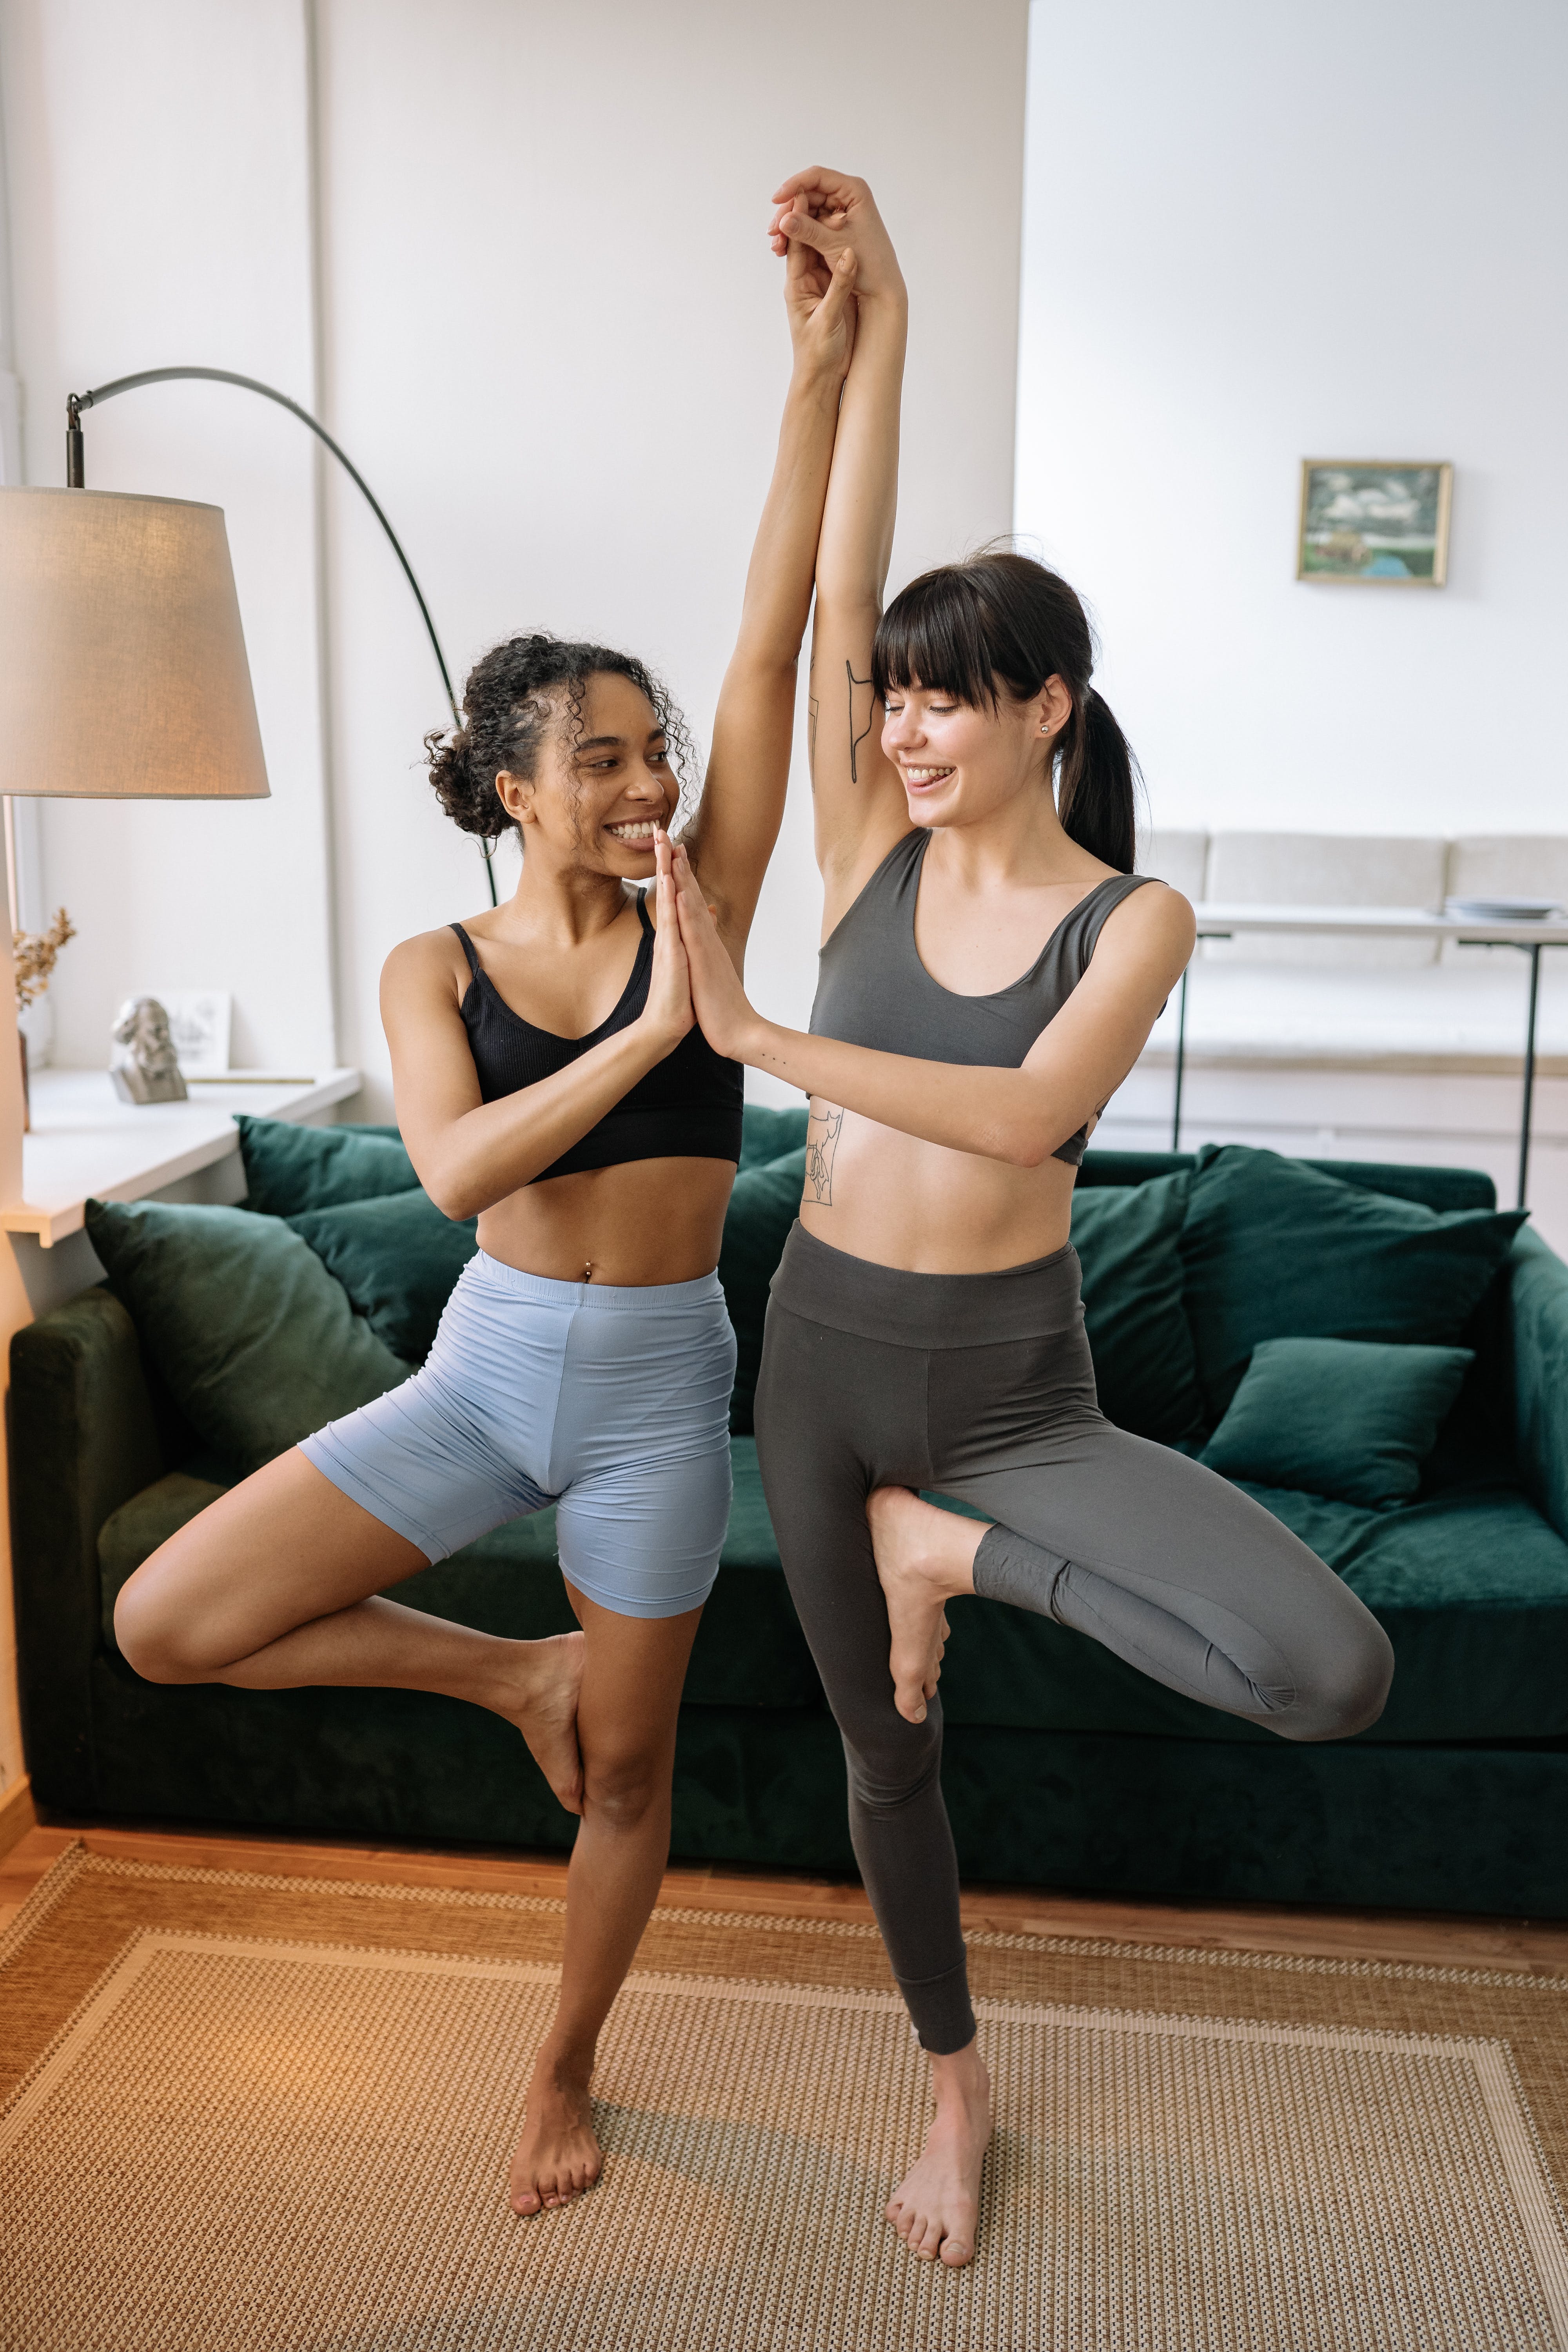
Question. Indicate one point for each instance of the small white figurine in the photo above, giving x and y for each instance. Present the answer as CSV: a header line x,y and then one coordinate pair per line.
x,y
143,1064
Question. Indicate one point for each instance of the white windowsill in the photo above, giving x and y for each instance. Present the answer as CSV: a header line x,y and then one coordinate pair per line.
x,y
88,1145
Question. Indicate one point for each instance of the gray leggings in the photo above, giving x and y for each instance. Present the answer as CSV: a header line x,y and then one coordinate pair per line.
x,y
981,1387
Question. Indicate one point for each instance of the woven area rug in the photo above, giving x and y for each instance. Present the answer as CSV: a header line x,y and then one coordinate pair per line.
x,y
252,2112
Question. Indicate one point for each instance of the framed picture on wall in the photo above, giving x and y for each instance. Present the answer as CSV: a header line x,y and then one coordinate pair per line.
x,y
1384,523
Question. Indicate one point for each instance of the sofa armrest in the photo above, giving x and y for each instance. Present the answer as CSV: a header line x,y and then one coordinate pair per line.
x,y
1538,1304
83,1440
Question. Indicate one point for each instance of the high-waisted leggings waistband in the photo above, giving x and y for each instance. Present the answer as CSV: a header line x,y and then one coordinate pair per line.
x,y
826,1285
597,1297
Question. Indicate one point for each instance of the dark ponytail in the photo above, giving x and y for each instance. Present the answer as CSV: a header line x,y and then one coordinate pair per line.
x,y
512,697
1002,618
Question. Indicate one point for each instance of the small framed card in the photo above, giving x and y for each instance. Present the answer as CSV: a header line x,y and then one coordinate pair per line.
x,y
1381,523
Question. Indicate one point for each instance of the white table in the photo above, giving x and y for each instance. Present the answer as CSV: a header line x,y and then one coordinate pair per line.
x,y
86,1144
1219,920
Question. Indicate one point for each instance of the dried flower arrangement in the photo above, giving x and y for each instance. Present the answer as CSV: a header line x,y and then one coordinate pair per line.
x,y
35,953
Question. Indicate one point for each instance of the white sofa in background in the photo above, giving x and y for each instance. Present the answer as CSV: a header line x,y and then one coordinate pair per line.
x,y
1388,1004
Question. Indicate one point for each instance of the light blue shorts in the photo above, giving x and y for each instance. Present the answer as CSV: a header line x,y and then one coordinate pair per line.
x,y
613,1405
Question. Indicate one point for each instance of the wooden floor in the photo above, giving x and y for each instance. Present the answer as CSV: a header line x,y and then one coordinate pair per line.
x,y
1540,1947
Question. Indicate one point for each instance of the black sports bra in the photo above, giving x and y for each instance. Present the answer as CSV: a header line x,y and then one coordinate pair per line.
x,y
688,1107
873,990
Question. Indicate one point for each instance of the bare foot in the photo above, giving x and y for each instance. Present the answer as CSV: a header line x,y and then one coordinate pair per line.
x,y
558,2156
923,1558
541,1698
935,2209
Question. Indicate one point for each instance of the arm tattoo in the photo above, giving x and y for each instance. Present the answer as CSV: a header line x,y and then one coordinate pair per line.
x,y
856,740
824,1125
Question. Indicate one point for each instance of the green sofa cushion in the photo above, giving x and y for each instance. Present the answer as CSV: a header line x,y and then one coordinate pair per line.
x,y
1145,1366
1351,1418
1274,1250
397,1256
290,1169
768,1134
763,1207
257,1343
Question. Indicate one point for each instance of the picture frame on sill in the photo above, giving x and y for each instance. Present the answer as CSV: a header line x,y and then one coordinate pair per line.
x,y
1379,523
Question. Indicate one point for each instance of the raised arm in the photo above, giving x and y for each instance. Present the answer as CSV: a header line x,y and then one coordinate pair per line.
x,y
732,835
1019,1116
860,808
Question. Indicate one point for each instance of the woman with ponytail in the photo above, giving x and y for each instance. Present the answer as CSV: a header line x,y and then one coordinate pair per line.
x,y
550,1080
991,967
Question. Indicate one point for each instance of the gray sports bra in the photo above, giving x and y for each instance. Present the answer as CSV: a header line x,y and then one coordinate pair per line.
x,y
873,990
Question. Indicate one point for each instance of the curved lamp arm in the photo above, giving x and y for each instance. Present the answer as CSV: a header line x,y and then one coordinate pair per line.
x,y
76,480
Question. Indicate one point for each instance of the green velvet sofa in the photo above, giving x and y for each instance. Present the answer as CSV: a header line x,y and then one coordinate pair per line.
x,y
1062,1766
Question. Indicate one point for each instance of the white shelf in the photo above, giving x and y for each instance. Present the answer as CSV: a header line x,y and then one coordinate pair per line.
x,y
88,1145
1374,922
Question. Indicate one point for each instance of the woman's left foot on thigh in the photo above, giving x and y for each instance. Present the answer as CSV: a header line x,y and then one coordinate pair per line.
x,y
559,2156
538,1692
921,1564
936,2208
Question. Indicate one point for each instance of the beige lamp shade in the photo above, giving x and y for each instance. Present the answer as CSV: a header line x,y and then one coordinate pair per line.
x,y
122,666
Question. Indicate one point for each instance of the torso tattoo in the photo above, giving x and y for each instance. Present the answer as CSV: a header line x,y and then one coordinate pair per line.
x,y
824,1124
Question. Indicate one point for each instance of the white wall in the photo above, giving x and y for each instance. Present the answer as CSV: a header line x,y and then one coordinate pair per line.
x,y
1316,228
551,339
554,331
513,254
157,162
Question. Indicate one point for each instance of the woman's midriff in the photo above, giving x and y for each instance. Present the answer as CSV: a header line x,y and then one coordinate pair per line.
x,y
898,1202
646,1222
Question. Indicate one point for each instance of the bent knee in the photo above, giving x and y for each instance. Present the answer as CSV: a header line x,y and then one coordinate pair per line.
x,y
1348,1692
151,1640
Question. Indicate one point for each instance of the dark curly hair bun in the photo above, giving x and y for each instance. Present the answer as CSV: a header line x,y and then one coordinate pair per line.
x,y
511,699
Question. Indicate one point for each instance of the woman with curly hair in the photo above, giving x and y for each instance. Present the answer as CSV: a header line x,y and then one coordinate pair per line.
x,y
550,1078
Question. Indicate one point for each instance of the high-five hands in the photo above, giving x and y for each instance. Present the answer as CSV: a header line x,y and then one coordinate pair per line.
x,y
718,999
832,212
669,1011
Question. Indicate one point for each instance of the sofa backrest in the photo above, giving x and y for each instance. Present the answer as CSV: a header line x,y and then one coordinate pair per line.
x,y
1351,869
1434,1188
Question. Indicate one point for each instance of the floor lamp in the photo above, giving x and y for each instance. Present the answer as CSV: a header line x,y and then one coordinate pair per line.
x,y
122,666
122,672
76,479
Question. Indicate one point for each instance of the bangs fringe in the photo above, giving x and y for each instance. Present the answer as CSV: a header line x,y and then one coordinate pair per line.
x,y
934,634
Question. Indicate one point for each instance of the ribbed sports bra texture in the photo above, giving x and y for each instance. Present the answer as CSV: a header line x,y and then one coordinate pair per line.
x,y
688,1107
873,990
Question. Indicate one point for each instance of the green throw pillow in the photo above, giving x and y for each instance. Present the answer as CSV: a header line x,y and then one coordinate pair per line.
x,y
763,1207
397,1258
769,1134
1128,1237
1351,1419
1273,1250
258,1345
290,1169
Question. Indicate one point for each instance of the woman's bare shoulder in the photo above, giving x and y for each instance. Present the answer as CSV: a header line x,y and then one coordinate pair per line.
x,y
429,961
1153,920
